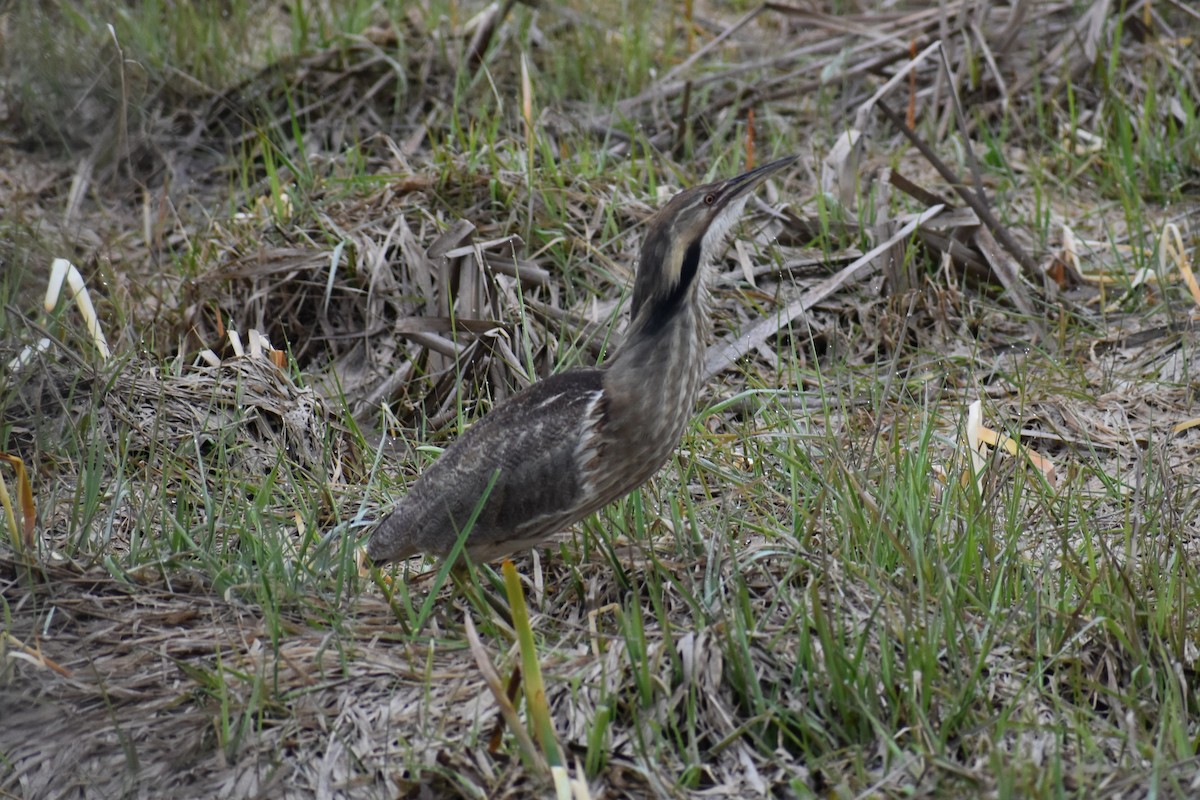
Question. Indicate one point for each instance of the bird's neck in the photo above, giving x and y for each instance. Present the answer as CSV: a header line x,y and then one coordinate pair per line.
x,y
654,380
663,352
669,326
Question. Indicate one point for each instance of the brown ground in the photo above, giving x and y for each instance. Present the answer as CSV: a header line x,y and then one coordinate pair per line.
x,y
115,681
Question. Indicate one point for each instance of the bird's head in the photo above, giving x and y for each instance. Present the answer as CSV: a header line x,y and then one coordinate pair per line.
x,y
685,235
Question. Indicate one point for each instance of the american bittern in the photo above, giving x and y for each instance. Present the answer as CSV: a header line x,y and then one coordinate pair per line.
x,y
574,442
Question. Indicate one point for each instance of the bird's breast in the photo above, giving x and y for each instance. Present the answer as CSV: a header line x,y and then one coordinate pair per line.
x,y
649,398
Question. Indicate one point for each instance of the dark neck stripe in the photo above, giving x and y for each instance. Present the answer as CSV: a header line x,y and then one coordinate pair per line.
x,y
658,311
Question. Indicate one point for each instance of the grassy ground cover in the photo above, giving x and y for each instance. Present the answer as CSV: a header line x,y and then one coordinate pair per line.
x,y
423,207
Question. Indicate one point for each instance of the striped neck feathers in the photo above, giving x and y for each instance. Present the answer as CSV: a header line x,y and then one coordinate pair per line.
x,y
670,276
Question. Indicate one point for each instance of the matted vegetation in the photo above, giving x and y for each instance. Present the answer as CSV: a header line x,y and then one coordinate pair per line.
x,y
425,206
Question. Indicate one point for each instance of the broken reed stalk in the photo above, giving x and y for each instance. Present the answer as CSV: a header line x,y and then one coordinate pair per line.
x,y
977,203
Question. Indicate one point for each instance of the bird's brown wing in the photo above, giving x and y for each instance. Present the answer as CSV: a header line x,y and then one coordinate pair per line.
x,y
532,445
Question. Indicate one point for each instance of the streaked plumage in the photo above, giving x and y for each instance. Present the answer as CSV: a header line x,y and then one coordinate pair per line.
x,y
576,441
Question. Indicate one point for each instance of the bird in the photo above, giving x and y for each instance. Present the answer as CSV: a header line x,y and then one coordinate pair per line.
x,y
568,445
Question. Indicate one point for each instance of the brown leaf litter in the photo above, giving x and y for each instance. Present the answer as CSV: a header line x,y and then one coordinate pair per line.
x,y
415,291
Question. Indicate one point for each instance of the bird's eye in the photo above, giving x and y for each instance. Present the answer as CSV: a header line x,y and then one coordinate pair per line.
x,y
709,199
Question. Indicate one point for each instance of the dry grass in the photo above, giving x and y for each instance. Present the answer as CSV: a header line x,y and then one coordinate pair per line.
x,y
796,606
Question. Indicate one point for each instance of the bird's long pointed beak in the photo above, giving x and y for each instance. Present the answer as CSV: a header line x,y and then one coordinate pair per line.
x,y
748,181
